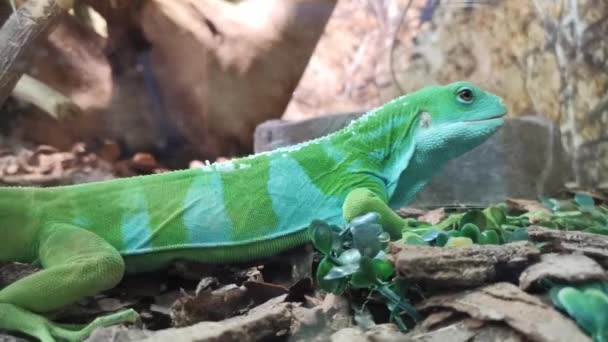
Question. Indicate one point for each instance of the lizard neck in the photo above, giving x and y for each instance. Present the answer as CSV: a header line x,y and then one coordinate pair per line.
x,y
382,141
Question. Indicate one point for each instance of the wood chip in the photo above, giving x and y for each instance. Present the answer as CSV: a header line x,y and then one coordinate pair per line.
x,y
592,245
507,303
571,268
433,216
439,267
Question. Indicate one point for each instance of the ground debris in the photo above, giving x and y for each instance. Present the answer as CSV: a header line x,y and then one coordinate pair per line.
x,y
525,205
433,216
592,245
378,333
467,330
504,302
565,267
13,271
319,321
438,267
46,166
269,320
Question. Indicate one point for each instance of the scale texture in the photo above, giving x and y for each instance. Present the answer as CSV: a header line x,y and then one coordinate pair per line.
x,y
87,236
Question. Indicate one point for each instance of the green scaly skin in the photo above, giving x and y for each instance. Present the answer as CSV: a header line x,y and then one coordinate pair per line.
x,y
87,236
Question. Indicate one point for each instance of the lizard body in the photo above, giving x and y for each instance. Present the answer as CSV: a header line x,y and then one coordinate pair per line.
x,y
87,236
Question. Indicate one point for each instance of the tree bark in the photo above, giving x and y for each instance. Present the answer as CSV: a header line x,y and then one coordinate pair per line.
x,y
20,34
594,246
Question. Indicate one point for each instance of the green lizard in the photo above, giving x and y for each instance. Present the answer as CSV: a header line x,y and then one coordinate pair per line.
x,y
87,236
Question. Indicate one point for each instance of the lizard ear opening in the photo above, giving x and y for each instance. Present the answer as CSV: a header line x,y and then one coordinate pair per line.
x,y
425,119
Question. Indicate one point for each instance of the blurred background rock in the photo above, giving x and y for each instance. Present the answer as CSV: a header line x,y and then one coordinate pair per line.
x,y
192,79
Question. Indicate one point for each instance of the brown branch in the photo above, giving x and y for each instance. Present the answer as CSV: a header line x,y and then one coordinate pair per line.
x,y
20,34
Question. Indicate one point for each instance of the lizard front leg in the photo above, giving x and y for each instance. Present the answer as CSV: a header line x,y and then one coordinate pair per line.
x,y
362,200
77,263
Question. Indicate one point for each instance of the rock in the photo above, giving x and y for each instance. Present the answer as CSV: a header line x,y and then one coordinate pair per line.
x,y
545,57
439,267
243,71
524,159
569,268
504,302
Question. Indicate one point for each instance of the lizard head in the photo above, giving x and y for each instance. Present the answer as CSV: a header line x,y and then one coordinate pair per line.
x,y
449,121
455,118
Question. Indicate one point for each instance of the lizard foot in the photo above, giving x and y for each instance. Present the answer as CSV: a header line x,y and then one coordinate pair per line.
x,y
13,318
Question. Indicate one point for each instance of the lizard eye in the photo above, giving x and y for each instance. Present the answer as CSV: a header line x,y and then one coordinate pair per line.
x,y
465,95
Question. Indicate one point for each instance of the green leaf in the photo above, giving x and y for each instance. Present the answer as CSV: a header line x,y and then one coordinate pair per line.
x,y
383,268
350,256
549,203
322,236
475,217
339,272
413,239
584,201
365,277
489,237
588,307
398,304
449,222
384,237
369,218
453,233
471,231
431,234
441,239
495,216
547,224
520,234
459,242
597,229
366,238
336,286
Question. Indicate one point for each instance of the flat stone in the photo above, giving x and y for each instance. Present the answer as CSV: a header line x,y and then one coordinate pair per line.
x,y
524,159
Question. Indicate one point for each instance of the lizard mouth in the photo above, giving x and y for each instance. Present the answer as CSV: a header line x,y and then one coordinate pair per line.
x,y
495,117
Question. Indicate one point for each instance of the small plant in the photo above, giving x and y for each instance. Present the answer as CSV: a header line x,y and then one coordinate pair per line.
x,y
353,257
489,226
579,213
496,225
587,304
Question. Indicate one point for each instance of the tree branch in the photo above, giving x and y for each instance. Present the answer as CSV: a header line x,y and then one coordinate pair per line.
x,y
20,34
